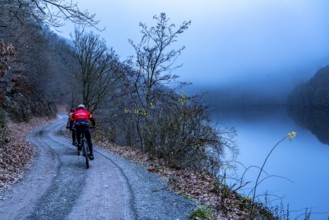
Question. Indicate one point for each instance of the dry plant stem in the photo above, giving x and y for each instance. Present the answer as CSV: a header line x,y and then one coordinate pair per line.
x,y
259,174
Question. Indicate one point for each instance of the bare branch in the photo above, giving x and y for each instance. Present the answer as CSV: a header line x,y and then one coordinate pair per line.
x,y
51,12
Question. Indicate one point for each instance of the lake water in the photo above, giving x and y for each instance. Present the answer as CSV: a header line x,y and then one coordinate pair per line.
x,y
304,160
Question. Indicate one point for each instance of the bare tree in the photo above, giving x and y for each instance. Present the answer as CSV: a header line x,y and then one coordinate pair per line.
x,y
49,12
99,68
154,59
154,63
7,51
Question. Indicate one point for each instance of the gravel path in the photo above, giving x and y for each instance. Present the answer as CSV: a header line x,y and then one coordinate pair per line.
x,y
58,186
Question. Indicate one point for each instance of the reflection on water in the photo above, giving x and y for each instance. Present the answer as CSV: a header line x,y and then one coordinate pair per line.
x,y
315,120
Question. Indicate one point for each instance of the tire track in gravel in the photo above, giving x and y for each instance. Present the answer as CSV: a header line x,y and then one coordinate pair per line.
x,y
19,201
65,188
60,187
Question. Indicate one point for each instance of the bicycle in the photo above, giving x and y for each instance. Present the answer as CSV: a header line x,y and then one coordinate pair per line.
x,y
84,148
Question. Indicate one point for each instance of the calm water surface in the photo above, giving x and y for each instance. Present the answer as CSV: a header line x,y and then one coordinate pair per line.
x,y
300,168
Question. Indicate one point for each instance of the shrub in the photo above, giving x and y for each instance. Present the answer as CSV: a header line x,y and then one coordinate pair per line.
x,y
202,212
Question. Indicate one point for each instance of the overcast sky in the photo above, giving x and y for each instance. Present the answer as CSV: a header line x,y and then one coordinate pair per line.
x,y
229,40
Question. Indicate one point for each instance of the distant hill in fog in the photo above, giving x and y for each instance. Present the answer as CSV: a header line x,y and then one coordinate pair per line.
x,y
307,87
243,95
314,93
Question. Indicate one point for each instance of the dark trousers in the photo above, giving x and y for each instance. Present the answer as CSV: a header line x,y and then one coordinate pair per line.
x,y
86,131
73,135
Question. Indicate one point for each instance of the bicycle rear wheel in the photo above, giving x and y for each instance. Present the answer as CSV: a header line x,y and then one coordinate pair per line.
x,y
85,149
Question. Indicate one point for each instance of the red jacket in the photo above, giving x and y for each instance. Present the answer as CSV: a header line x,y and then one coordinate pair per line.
x,y
82,115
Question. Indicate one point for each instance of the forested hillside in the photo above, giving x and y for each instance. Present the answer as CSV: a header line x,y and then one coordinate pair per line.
x,y
37,77
314,93
309,104
34,65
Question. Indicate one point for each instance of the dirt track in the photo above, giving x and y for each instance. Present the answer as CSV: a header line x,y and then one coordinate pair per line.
x,y
58,186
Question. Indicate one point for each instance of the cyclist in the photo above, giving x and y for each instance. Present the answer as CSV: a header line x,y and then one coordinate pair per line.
x,y
81,118
70,125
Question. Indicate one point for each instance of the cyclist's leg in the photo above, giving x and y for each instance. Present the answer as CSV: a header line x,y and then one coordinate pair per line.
x,y
78,135
74,137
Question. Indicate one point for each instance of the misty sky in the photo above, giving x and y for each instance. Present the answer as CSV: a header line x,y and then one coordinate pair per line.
x,y
229,41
